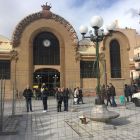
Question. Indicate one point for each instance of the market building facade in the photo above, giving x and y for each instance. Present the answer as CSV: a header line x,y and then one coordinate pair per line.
x,y
44,44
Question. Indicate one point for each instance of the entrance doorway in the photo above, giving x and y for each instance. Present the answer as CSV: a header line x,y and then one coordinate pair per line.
x,y
46,76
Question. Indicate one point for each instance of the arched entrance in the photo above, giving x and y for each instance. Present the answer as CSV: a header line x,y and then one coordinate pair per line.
x,y
46,76
23,42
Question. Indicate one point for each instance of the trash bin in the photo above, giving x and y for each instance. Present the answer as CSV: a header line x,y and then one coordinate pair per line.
x,y
122,98
82,120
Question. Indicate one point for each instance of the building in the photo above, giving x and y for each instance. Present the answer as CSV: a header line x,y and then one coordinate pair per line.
x,y
135,72
46,44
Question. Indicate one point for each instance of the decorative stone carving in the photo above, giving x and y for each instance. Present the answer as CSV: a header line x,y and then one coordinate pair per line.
x,y
75,46
77,56
46,7
102,55
14,55
45,13
120,34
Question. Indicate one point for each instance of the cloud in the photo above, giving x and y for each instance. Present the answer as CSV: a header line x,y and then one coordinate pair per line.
x,y
75,11
133,12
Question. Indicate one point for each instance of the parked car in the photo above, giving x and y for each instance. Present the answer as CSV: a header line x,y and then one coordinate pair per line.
x,y
136,98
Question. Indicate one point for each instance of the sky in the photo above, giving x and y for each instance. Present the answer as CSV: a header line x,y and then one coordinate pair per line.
x,y
77,12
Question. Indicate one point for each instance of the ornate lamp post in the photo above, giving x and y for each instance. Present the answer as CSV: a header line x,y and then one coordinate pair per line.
x,y
99,114
55,79
38,79
96,23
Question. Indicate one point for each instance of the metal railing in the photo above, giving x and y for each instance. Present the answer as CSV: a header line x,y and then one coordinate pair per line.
x,y
135,58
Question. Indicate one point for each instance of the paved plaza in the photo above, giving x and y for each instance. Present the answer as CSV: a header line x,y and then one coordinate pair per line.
x,y
54,125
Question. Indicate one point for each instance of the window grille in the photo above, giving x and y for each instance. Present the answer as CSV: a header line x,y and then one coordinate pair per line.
x,y
5,66
86,69
46,55
115,59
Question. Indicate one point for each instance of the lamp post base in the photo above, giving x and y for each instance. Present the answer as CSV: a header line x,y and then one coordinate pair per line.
x,y
99,101
101,117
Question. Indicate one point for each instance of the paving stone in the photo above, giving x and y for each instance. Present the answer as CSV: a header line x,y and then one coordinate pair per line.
x,y
51,125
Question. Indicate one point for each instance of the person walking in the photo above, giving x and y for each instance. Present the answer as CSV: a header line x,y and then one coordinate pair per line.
x,y
59,98
65,99
80,96
127,92
44,91
108,96
112,94
28,95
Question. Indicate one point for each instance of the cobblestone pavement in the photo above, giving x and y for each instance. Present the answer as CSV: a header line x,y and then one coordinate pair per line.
x,y
53,125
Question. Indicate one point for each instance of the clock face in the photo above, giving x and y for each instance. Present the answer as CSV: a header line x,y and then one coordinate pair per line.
x,y
46,43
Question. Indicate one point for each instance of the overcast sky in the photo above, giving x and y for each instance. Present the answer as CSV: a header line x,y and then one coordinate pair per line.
x,y
77,12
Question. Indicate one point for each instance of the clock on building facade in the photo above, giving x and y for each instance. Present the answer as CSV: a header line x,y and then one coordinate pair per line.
x,y
46,43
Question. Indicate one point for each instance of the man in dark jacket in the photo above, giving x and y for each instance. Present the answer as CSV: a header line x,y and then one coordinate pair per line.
x,y
132,91
44,91
59,98
80,96
112,94
127,92
28,95
65,99
135,88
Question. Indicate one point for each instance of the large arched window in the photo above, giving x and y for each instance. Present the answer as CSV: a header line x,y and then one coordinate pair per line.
x,y
115,59
46,49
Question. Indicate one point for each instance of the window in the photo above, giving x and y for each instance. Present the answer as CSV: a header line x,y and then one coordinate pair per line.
x,y
49,54
115,59
86,69
5,69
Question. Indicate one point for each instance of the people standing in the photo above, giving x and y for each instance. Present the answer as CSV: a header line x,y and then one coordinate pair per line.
x,y
132,91
112,94
16,94
34,91
44,91
59,98
108,96
103,91
80,96
65,98
28,95
76,93
38,94
135,88
127,92
56,90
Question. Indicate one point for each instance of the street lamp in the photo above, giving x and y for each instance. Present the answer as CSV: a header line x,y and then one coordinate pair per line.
x,y
38,79
96,23
55,79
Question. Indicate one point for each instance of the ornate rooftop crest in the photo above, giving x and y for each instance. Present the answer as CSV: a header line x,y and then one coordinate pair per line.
x,y
46,7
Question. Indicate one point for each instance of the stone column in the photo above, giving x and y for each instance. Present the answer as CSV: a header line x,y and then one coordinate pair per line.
x,y
62,66
30,67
